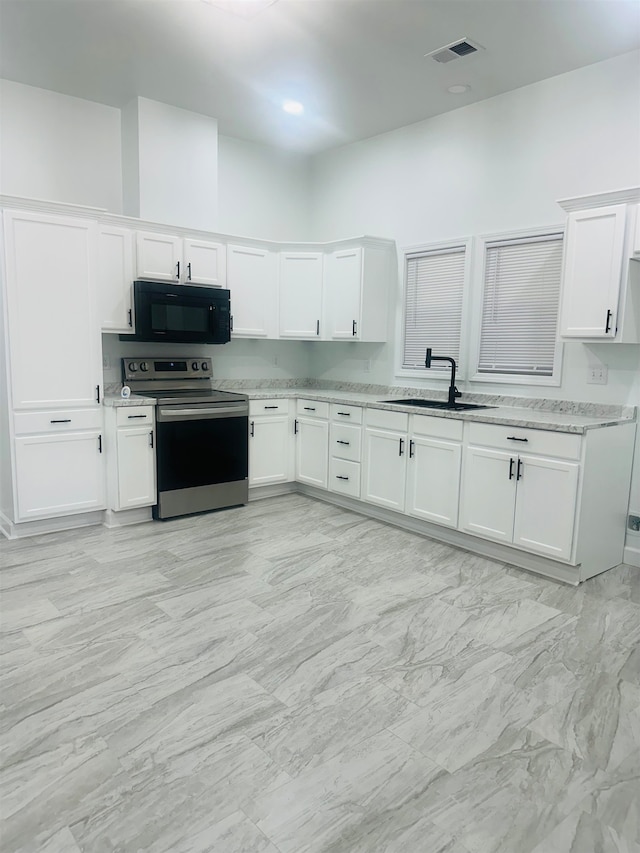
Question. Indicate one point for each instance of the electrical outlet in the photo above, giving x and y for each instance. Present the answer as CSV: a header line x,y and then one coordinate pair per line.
x,y
598,375
106,362
634,523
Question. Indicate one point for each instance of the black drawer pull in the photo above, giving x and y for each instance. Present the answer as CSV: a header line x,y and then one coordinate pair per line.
x,y
401,447
98,393
342,442
295,427
133,417
338,477
511,464
130,317
519,470
272,407
345,414
178,270
309,409
151,439
354,329
607,327
100,444
515,438
253,428
412,444
61,421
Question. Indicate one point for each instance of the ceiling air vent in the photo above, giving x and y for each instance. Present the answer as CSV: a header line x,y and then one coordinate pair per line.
x,y
462,47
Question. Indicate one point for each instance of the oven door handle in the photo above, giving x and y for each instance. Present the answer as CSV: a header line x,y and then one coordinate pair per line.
x,y
202,413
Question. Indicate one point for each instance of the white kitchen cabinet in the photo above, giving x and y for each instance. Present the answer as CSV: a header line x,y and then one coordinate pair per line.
x,y
636,230
115,278
311,430
300,294
356,294
269,449
158,256
136,463
345,449
204,262
252,278
59,474
53,328
433,479
384,468
489,490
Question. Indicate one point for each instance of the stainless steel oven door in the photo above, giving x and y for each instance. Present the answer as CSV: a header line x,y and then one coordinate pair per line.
x,y
202,456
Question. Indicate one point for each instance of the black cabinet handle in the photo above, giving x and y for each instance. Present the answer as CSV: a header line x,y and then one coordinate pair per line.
x,y
607,327
401,447
253,428
309,409
178,270
511,464
354,331
519,470
412,444
130,317
342,442
231,322
100,444
61,421
295,427
272,407
515,438
344,414
189,271
98,393
338,477
151,439
133,417
317,327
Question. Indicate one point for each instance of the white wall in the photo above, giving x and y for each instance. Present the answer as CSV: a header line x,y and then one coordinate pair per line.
x,y
59,148
263,192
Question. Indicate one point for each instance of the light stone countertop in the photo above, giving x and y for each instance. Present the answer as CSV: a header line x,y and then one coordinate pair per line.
x,y
517,416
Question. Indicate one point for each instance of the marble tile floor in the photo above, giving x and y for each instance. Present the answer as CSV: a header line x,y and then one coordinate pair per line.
x,y
289,677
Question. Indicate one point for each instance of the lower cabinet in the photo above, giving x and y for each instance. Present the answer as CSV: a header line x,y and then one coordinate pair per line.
x,y
131,457
312,443
59,474
385,467
270,446
433,470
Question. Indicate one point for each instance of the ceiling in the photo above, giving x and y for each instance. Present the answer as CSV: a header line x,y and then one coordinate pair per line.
x,y
358,66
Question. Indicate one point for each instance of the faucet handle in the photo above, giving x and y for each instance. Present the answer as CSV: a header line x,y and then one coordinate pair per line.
x,y
456,392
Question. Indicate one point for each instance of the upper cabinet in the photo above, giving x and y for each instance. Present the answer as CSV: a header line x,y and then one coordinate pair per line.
x,y
356,293
600,292
53,328
165,257
252,277
300,294
115,275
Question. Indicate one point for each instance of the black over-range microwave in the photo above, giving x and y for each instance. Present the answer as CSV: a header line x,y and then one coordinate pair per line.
x,y
180,313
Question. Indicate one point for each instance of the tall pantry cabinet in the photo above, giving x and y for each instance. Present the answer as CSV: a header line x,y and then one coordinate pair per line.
x,y
53,381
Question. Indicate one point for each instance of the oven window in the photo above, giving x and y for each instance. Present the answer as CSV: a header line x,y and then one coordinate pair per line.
x,y
179,318
201,452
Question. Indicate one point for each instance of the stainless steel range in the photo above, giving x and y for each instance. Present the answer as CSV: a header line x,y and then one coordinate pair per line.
x,y
202,441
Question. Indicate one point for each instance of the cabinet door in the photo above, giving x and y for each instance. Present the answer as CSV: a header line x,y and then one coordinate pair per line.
x,y
300,294
343,290
205,263
433,480
158,256
592,270
385,468
115,277
546,506
488,493
136,467
312,452
252,278
59,474
269,450
54,335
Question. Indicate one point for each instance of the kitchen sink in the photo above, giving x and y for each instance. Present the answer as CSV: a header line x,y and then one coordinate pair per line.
x,y
437,404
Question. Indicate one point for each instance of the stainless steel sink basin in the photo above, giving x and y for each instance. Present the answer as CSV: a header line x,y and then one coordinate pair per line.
x,y
437,404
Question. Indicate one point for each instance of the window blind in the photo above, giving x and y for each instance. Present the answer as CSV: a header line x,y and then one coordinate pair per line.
x,y
433,304
520,306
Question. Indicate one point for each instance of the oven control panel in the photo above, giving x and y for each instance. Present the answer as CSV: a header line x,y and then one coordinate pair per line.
x,y
197,367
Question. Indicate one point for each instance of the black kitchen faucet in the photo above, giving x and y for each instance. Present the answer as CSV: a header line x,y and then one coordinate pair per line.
x,y
453,391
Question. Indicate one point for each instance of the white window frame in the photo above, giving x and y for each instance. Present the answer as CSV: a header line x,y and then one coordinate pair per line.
x,y
437,374
483,240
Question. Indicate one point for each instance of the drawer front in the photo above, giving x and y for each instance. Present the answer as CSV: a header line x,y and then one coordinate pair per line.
x,y
436,427
384,419
344,477
345,441
545,442
268,407
60,420
134,415
313,409
346,414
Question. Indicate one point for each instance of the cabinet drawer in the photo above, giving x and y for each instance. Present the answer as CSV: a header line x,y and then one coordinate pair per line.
x,y
520,440
384,419
268,407
60,420
344,477
313,409
436,427
345,441
134,415
346,414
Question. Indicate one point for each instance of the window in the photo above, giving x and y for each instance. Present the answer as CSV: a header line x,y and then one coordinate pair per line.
x,y
434,283
520,307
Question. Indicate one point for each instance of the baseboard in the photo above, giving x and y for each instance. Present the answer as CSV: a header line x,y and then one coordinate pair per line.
x,y
632,556
126,517
22,529
274,490
5,525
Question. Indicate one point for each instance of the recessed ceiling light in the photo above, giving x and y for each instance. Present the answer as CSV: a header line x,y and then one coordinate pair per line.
x,y
242,8
293,107
458,89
